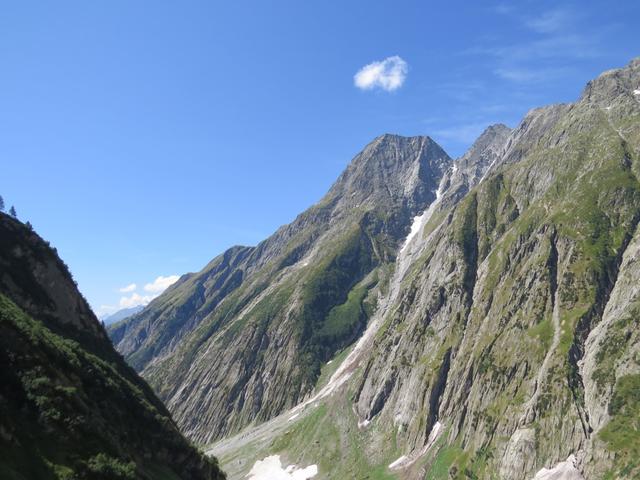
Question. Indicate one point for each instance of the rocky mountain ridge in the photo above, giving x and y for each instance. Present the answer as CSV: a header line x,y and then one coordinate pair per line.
x,y
494,298
299,288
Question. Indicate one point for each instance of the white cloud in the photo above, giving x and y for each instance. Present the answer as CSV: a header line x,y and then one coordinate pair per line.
x,y
388,74
135,299
154,289
161,283
128,288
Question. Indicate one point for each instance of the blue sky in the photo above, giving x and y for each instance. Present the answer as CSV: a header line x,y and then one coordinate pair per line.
x,y
143,138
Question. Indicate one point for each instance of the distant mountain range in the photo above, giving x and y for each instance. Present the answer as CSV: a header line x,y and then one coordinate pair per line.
x,y
122,314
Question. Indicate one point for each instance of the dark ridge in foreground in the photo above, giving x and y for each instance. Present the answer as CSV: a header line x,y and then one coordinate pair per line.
x,y
70,407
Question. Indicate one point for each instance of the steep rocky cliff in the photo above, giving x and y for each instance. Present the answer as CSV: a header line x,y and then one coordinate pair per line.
x,y
516,332
245,338
430,318
70,407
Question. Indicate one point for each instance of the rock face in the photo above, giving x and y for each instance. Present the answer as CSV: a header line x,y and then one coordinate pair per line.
x,y
519,326
245,338
507,324
70,407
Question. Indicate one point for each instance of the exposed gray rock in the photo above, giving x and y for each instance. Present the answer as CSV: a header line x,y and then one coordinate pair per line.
x,y
509,291
244,339
508,317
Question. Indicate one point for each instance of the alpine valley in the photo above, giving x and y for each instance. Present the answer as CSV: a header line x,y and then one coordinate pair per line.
x,y
428,318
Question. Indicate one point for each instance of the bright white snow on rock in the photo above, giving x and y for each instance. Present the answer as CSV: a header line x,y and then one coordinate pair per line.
x,y
363,423
293,417
563,471
416,226
398,462
636,91
404,461
271,469
434,434
421,220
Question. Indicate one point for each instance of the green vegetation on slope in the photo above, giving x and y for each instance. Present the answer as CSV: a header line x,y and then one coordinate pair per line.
x,y
622,433
330,438
66,413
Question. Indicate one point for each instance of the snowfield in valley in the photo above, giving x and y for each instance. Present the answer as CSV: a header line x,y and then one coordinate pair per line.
x,y
271,469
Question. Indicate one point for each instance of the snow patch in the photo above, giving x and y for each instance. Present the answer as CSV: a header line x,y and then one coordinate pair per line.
x,y
434,434
329,362
271,469
421,220
363,423
398,462
636,91
404,461
566,470
416,226
293,417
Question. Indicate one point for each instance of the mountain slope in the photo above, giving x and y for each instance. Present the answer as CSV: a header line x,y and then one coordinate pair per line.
x,y
495,334
267,317
510,344
69,405
122,314
496,349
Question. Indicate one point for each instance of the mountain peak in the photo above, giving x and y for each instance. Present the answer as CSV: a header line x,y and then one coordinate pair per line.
x,y
493,136
614,84
484,152
389,137
393,166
